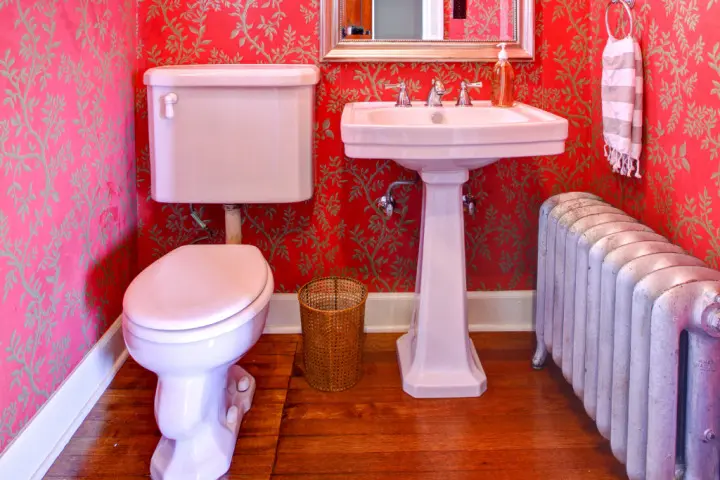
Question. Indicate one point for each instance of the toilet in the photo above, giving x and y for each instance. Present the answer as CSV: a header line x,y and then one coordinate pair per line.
x,y
230,135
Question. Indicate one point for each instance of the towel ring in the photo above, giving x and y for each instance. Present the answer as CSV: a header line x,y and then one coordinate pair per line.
x,y
627,4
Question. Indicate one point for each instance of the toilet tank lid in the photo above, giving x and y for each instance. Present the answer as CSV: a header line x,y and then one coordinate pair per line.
x,y
233,75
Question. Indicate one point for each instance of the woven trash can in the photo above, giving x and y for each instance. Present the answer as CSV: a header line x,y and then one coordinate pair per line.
x,y
332,312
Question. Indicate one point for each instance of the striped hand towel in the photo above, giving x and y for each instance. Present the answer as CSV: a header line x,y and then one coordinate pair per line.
x,y
622,104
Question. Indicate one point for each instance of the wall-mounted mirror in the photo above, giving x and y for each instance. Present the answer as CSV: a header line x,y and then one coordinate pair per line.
x,y
426,30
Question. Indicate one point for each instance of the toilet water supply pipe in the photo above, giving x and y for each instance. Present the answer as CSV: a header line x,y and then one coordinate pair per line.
x,y
210,233
233,225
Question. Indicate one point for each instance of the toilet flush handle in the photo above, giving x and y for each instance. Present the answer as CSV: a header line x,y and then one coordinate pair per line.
x,y
170,99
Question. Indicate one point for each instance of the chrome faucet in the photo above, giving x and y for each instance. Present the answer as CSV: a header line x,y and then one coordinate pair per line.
x,y
437,90
464,99
403,99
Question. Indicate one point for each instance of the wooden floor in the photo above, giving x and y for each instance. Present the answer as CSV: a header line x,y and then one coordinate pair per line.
x,y
528,425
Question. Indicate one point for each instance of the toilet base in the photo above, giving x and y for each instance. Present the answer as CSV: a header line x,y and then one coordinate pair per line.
x,y
208,453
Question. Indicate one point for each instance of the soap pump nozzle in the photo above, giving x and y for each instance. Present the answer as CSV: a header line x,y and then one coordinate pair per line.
x,y
503,55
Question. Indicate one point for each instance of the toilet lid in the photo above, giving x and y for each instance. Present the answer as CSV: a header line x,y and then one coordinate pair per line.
x,y
196,286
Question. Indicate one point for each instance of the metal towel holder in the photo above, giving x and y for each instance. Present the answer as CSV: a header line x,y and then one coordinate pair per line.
x,y
628,5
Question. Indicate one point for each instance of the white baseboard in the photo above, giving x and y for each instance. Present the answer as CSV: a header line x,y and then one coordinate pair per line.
x,y
505,311
33,451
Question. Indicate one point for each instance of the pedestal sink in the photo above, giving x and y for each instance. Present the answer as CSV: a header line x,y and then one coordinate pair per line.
x,y
437,358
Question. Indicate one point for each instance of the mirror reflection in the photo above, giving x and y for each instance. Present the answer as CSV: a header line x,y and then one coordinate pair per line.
x,y
460,20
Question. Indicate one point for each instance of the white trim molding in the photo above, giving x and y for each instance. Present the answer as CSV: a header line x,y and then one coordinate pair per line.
x,y
502,311
33,451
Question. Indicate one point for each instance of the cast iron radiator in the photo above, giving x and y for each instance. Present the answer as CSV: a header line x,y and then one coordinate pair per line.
x,y
634,323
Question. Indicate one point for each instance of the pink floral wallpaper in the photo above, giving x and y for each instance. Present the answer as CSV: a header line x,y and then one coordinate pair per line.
x,y
679,194
73,200
68,207
340,231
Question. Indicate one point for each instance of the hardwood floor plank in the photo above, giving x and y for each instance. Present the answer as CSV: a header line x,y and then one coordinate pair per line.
x,y
268,365
275,345
446,440
528,425
393,403
402,462
394,393
129,465
505,474
142,444
504,341
501,429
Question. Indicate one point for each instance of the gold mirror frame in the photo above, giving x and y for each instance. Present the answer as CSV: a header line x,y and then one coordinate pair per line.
x,y
333,50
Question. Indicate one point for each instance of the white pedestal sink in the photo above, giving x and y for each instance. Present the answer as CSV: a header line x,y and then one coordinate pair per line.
x,y
437,358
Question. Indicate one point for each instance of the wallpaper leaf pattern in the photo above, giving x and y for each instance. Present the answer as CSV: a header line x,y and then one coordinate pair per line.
x,y
679,194
341,231
68,214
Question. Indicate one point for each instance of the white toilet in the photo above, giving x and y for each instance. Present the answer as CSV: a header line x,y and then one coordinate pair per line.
x,y
227,134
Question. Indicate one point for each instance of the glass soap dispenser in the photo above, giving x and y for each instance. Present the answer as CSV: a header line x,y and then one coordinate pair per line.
x,y
503,81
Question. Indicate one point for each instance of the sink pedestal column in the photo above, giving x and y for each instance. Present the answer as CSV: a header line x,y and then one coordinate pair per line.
x,y
437,358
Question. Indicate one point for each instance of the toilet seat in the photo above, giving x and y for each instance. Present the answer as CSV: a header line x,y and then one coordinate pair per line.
x,y
213,331
196,286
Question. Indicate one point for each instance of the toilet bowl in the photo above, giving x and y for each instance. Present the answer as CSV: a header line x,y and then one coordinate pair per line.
x,y
189,317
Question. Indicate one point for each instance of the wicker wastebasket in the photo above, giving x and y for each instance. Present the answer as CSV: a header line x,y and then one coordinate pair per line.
x,y
332,312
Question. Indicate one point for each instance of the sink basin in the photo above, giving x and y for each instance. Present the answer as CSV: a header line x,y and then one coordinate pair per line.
x,y
430,138
437,358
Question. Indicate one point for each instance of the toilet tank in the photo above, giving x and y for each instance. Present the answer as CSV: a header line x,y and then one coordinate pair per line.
x,y
231,133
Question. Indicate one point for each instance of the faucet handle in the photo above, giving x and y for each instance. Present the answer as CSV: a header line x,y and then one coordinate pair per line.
x,y
464,97
438,86
403,99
